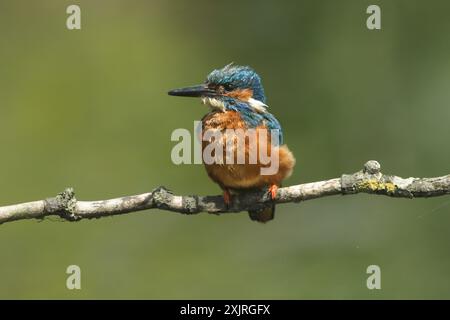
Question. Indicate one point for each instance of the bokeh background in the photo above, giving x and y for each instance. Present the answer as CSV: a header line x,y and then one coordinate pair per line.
x,y
89,109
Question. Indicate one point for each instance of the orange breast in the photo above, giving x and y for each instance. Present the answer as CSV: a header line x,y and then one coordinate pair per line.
x,y
247,175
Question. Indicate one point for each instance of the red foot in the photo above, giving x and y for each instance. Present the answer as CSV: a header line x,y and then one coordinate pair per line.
x,y
226,197
273,189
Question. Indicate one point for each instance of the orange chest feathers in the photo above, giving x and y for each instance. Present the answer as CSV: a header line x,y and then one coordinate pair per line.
x,y
238,164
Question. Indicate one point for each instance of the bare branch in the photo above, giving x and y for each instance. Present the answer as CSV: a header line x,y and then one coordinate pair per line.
x,y
369,180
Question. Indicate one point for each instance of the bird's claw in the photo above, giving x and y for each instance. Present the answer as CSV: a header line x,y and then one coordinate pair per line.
x,y
273,189
227,197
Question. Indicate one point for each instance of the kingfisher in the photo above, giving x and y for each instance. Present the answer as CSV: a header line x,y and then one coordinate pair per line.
x,y
236,100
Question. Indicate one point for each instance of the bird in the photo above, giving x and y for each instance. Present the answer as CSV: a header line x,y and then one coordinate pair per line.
x,y
236,100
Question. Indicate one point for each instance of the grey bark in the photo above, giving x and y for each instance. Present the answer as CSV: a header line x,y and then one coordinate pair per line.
x,y
369,180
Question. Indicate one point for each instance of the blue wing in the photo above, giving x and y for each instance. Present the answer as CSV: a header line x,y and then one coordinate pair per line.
x,y
254,119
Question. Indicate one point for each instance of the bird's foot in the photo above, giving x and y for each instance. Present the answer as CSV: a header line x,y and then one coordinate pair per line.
x,y
227,197
273,189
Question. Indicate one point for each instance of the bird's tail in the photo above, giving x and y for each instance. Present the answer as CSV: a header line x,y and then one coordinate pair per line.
x,y
263,215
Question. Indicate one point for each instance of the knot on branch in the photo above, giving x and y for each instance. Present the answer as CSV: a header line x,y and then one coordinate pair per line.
x,y
64,205
164,199
372,167
368,180
161,196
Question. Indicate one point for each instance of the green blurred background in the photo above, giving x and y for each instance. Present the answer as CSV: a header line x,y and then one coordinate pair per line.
x,y
89,109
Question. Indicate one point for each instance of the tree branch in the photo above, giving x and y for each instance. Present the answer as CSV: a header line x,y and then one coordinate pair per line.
x,y
369,180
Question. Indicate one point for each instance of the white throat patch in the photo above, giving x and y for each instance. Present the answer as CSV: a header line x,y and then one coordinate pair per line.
x,y
214,103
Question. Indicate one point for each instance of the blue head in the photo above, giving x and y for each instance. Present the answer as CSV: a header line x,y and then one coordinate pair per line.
x,y
234,88
237,78
232,83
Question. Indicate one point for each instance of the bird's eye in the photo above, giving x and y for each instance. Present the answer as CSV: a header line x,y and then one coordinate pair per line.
x,y
227,87
221,89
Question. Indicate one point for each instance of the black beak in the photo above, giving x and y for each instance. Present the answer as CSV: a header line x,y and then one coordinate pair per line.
x,y
195,91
